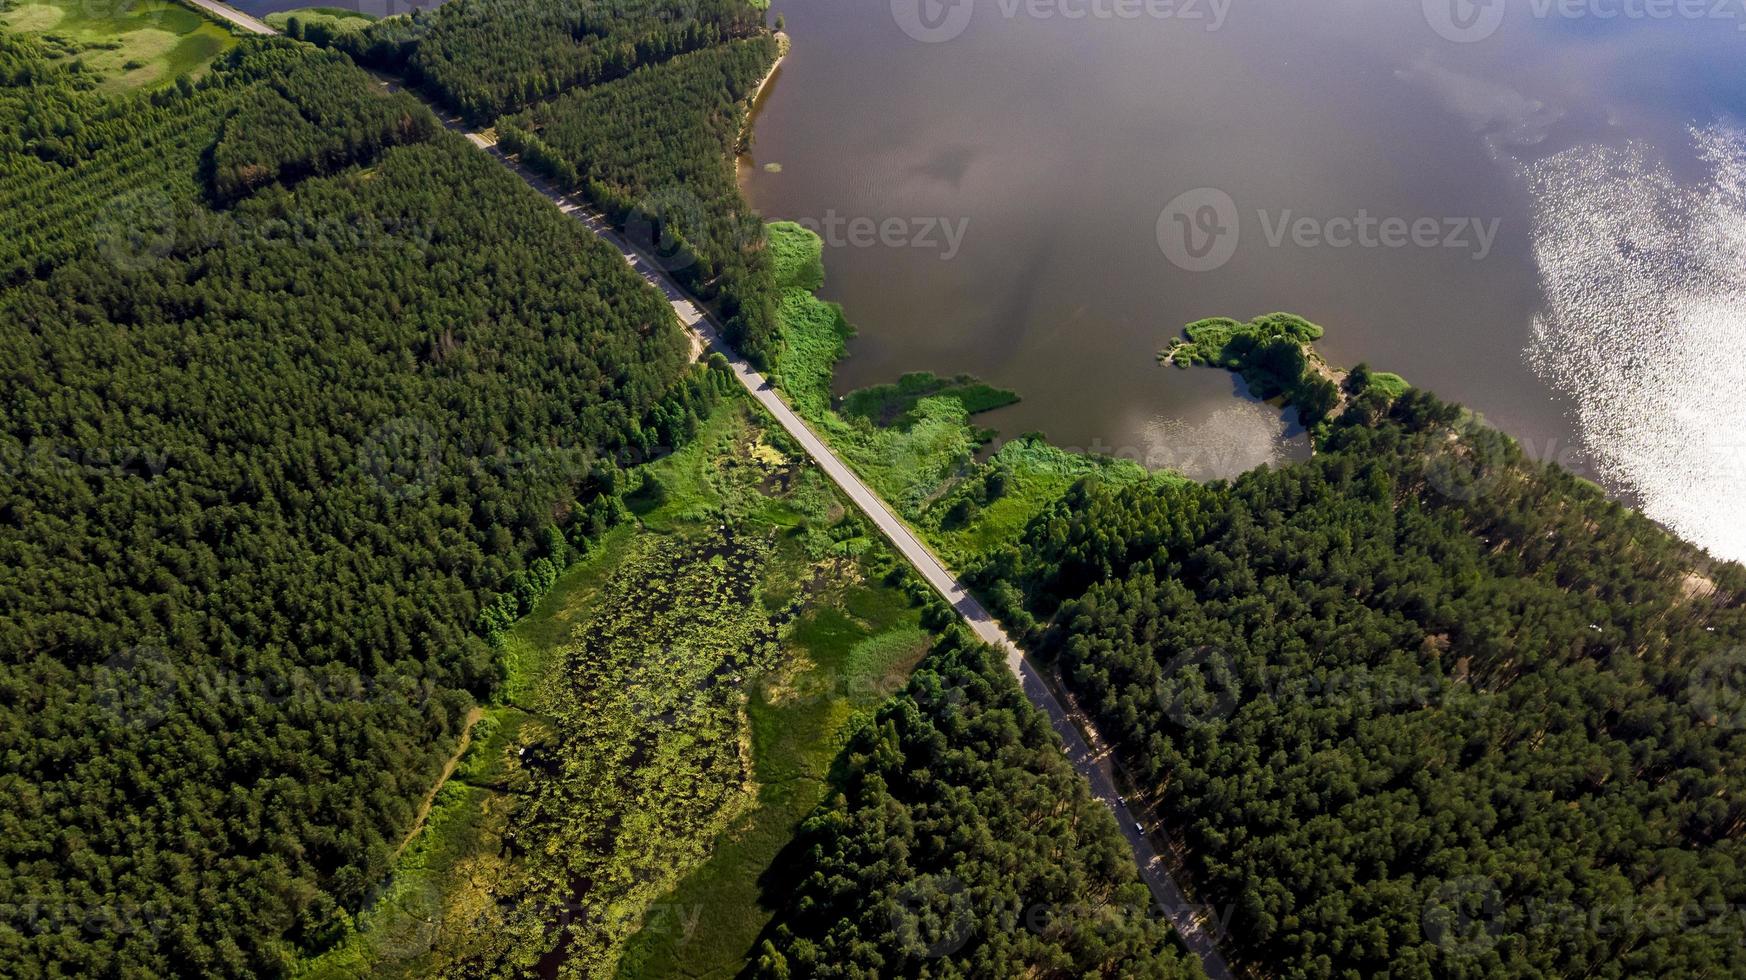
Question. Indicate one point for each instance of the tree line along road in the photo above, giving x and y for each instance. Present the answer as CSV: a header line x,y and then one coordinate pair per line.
x,y
1194,924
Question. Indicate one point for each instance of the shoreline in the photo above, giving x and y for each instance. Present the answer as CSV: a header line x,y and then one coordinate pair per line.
x,y
783,45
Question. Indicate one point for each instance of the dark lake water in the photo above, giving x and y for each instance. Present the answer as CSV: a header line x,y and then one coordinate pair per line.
x,y
1577,272
1534,207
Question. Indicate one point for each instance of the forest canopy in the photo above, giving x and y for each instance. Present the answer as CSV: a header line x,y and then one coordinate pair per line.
x,y
958,841
1418,705
267,463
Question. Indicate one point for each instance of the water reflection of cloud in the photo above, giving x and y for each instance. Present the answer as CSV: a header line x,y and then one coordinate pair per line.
x,y
1230,441
1645,324
1503,116
947,164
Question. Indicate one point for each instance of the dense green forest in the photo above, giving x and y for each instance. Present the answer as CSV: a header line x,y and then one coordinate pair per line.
x,y
958,841
1418,705
266,463
654,151
483,58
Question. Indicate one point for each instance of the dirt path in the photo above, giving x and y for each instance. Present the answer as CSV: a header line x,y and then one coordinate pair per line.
x,y
448,770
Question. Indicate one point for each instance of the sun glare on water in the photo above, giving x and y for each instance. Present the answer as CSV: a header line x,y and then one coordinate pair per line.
x,y
1645,324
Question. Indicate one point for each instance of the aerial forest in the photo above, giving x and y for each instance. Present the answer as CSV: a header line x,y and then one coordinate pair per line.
x,y
1418,705
273,438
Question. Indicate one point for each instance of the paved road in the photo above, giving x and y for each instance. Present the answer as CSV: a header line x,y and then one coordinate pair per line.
x,y
235,16
1193,924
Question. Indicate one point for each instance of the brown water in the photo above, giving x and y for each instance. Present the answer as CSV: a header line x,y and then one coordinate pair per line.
x,y
1057,144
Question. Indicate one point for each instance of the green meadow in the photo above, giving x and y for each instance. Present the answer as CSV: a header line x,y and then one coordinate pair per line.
x,y
130,44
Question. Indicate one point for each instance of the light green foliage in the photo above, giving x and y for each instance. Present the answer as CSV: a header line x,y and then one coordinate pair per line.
x,y
796,256
1224,342
990,508
140,44
908,466
672,706
847,656
813,336
907,463
1390,385
893,405
1273,355
319,25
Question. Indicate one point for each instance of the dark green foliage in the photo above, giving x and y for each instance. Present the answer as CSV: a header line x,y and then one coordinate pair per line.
x,y
1419,705
958,841
894,404
654,151
483,58
317,117
1271,353
261,470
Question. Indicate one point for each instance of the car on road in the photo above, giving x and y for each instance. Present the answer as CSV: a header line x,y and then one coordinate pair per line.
x,y
1139,828
1123,801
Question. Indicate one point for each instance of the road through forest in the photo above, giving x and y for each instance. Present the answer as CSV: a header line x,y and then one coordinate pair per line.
x,y
1194,924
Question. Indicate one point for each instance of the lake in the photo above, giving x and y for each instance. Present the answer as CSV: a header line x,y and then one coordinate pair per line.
x,y
1534,209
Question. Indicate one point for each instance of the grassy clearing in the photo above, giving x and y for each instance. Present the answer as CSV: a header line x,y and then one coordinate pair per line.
x,y
990,508
841,666
130,45
671,707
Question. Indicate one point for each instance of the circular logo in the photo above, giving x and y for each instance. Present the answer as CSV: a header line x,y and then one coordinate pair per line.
x,y
1462,916
403,457
932,916
1464,21
1468,463
404,916
1198,230
135,231
137,686
666,226
1199,687
1718,688
932,21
